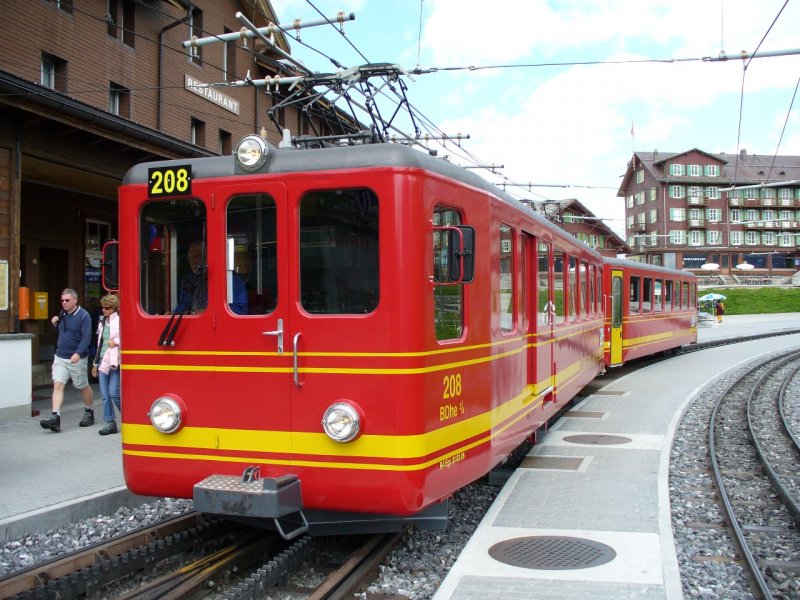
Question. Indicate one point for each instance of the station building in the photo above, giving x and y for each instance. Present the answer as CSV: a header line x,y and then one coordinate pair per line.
x,y
733,216
89,88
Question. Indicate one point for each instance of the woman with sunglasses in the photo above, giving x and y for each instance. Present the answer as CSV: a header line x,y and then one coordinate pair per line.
x,y
106,361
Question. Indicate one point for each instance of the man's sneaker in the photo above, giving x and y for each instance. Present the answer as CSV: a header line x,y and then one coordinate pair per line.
x,y
53,423
111,427
88,418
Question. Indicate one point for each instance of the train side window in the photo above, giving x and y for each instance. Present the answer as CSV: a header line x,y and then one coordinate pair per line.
x,y
616,302
543,306
668,295
647,295
253,283
523,298
339,251
693,300
559,290
658,296
167,230
634,296
448,300
599,292
685,295
572,295
584,284
505,284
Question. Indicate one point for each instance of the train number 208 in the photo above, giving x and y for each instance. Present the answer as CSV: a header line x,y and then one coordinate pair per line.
x,y
169,181
452,386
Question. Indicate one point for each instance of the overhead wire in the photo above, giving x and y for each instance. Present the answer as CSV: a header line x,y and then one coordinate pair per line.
x,y
741,90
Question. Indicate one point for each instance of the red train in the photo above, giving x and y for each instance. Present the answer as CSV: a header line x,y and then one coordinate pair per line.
x,y
649,310
340,338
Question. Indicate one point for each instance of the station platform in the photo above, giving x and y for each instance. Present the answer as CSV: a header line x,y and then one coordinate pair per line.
x,y
614,494
587,515
48,479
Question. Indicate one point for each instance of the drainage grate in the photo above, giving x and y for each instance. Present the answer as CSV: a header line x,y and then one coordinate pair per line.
x,y
561,463
550,552
597,439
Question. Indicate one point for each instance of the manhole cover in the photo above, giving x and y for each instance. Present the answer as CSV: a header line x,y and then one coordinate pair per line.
x,y
601,440
549,552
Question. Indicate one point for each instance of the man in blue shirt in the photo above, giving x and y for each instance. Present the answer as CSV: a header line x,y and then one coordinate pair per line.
x,y
74,327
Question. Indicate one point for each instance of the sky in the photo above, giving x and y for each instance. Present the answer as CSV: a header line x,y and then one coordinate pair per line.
x,y
570,129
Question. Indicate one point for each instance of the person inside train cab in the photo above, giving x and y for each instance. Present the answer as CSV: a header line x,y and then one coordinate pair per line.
x,y
194,285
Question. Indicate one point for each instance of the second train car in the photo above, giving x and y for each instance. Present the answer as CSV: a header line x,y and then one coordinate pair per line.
x,y
340,338
649,309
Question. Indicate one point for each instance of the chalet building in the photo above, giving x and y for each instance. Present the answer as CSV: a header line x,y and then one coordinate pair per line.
x,y
575,218
738,211
100,86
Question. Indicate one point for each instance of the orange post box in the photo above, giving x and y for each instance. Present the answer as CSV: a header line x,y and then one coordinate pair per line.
x,y
24,303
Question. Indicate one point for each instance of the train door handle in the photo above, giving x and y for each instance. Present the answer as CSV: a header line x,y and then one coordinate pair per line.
x,y
295,343
277,333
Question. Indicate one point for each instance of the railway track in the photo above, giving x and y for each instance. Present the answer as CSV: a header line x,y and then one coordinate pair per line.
x,y
754,464
193,557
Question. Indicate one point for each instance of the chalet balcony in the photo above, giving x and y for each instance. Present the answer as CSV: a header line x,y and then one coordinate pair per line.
x,y
744,202
772,225
788,203
697,200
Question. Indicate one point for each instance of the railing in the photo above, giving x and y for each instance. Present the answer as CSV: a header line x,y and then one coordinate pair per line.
x,y
701,222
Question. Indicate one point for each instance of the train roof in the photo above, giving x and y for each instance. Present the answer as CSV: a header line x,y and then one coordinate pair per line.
x,y
293,160
624,263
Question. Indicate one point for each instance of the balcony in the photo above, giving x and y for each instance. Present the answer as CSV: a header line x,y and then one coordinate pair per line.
x,y
744,202
772,225
788,203
696,223
697,200
639,227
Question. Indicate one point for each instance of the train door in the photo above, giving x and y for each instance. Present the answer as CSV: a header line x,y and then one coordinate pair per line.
x,y
545,325
253,320
335,293
615,340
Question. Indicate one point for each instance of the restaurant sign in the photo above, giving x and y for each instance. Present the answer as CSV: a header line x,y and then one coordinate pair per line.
x,y
212,94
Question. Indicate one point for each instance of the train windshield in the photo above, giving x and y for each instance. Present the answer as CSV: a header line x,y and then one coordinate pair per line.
x,y
339,251
173,257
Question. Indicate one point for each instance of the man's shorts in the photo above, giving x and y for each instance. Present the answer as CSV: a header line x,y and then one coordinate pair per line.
x,y
64,370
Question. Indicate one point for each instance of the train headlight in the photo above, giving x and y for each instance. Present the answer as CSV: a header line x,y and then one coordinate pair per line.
x,y
166,415
342,422
251,153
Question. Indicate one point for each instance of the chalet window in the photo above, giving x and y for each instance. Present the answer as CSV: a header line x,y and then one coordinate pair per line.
x,y
119,100
676,169
677,236
198,133
677,214
54,73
